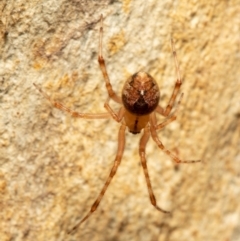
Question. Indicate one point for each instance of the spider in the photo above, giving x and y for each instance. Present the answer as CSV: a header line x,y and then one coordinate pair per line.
x,y
139,106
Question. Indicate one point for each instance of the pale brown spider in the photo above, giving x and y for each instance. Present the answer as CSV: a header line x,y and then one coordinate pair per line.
x,y
140,103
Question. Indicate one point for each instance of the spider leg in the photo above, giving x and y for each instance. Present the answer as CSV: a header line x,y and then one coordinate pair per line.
x,y
72,112
142,147
167,110
121,144
101,61
117,117
153,123
166,122
171,117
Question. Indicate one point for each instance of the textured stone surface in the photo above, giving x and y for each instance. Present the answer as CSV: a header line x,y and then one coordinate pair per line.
x,y
53,166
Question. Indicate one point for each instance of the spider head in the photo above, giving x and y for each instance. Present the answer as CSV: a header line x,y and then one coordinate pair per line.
x,y
140,94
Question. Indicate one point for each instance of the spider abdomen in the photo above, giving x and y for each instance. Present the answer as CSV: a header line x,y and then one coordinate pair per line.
x,y
140,95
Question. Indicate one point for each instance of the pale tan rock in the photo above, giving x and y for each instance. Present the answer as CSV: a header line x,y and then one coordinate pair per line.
x,y
52,166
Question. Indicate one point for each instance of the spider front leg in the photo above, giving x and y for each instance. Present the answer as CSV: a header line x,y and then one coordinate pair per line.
x,y
153,125
121,144
101,61
142,147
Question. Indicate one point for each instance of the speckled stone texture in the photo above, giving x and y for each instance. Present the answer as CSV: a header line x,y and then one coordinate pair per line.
x,y
53,166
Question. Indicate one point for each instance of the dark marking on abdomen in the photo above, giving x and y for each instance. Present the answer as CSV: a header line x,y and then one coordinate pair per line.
x,y
135,128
